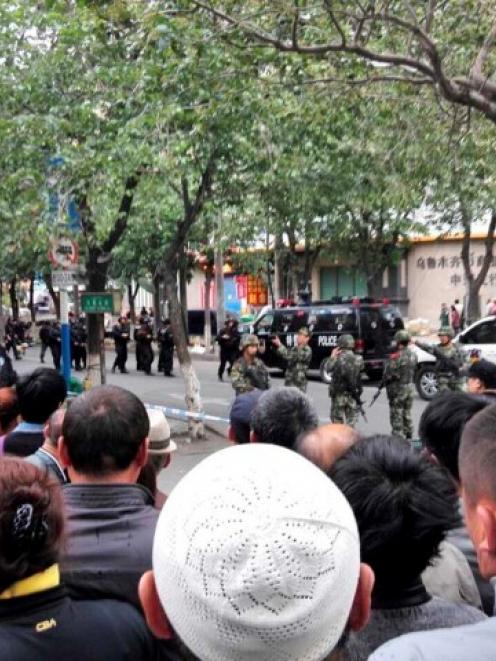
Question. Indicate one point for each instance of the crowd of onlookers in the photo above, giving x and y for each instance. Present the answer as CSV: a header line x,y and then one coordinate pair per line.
x,y
301,542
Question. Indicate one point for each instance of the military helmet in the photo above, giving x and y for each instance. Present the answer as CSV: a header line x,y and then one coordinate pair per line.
x,y
248,341
346,341
304,331
446,330
402,336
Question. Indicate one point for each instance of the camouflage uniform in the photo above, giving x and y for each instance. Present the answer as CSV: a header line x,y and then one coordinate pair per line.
x,y
450,358
297,361
398,378
345,369
248,376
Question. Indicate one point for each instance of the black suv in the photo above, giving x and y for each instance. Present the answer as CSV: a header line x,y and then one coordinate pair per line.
x,y
372,324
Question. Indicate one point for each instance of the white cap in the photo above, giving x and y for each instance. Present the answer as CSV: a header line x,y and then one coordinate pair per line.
x,y
159,440
256,556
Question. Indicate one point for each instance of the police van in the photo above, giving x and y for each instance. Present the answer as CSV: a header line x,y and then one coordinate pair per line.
x,y
372,324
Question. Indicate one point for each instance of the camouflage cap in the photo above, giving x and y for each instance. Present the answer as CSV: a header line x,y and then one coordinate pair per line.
x,y
248,341
346,341
304,331
446,330
402,336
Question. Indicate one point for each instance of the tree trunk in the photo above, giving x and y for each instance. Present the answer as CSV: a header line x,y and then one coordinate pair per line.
x,y
475,282
183,290
219,282
157,313
55,297
97,280
31,298
131,295
14,302
192,384
278,268
208,320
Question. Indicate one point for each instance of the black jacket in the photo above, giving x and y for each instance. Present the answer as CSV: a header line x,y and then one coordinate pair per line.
x,y
110,530
48,625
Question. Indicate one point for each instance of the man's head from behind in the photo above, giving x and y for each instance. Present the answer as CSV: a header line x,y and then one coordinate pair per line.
x,y
478,478
39,394
281,415
481,375
324,445
442,423
53,428
105,435
404,506
251,562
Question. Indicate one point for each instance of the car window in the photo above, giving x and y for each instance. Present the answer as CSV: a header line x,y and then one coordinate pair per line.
x,y
484,333
285,321
332,321
370,320
391,319
300,319
264,324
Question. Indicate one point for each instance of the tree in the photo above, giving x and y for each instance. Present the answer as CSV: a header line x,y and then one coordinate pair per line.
x,y
446,46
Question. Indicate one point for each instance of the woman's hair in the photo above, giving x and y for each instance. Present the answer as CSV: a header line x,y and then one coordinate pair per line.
x,y
31,520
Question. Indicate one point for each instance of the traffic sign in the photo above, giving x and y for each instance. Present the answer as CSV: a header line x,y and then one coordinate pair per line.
x,y
64,279
101,302
64,252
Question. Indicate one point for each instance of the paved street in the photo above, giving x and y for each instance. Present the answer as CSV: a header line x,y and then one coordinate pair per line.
x,y
217,398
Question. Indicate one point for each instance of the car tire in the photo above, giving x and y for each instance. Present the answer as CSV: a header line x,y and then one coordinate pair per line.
x,y
426,382
325,375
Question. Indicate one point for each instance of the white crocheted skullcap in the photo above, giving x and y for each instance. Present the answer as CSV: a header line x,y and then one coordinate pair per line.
x,y
256,557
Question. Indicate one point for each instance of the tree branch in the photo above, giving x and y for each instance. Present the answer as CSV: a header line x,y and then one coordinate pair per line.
x,y
123,214
481,59
488,256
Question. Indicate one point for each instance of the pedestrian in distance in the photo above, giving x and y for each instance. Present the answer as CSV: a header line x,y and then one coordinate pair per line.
x,y
399,372
345,389
224,341
249,371
44,339
450,359
55,344
79,337
297,359
444,317
456,320
11,338
121,335
166,348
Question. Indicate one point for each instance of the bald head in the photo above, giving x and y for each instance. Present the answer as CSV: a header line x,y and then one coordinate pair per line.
x,y
478,456
53,428
326,444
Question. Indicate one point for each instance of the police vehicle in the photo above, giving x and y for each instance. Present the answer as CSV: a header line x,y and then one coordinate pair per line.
x,y
372,324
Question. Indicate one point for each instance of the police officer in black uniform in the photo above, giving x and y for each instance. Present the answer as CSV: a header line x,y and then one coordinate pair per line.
x,y
143,336
166,344
121,335
78,337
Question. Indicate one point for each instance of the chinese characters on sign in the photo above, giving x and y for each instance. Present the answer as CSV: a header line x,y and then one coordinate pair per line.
x,y
256,291
455,262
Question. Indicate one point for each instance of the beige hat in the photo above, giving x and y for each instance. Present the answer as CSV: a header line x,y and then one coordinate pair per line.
x,y
159,435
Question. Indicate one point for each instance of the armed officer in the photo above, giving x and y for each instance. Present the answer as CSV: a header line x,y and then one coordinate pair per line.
x,y
121,335
398,379
143,336
345,390
249,372
165,342
297,359
78,339
450,358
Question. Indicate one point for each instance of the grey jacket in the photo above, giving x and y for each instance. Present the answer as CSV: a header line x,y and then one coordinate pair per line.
x,y
110,532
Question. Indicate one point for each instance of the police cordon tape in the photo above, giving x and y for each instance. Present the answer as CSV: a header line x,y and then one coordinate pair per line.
x,y
178,414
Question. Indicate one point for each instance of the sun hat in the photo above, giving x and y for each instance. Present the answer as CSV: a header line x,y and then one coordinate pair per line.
x,y
256,556
159,440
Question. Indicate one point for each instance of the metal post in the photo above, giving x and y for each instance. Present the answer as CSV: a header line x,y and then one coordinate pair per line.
x,y
65,336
